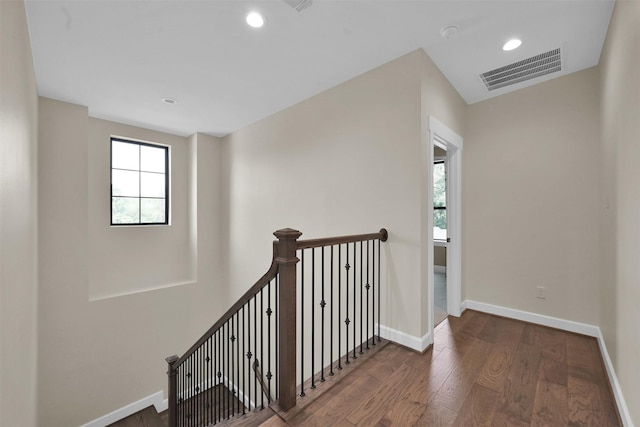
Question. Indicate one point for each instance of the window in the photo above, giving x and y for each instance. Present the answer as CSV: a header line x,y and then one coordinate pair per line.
x,y
439,200
139,183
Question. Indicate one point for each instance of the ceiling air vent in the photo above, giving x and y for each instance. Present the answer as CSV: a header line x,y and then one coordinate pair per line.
x,y
299,5
527,69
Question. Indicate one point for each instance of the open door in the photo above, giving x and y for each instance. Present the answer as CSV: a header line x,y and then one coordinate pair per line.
x,y
443,137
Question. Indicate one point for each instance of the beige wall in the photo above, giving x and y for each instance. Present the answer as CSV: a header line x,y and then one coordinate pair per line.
x,y
349,160
98,356
18,219
530,199
620,202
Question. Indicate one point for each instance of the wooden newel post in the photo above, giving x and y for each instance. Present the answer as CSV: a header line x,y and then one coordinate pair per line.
x,y
173,391
287,260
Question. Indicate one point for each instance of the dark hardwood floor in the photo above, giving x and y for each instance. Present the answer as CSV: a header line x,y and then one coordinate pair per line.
x,y
148,417
483,370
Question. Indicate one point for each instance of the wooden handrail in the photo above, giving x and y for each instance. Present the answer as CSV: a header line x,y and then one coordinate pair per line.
x,y
329,241
262,282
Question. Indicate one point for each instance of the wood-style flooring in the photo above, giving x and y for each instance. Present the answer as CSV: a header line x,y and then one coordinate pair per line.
x,y
483,370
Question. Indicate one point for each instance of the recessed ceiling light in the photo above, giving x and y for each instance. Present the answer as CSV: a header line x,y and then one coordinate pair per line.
x,y
512,44
169,101
255,20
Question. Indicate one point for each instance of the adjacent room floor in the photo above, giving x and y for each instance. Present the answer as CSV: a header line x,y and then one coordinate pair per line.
x,y
440,290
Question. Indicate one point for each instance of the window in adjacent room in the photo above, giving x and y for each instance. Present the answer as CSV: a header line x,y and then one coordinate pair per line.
x,y
139,183
439,200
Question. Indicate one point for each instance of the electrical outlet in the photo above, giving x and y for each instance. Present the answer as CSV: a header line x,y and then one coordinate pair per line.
x,y
542,294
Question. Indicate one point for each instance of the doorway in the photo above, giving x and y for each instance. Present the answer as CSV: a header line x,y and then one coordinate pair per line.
x,y
439,234
443,138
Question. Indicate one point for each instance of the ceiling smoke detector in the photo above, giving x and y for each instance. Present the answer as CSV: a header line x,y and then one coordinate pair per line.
x,y
299,5
449,31
521,71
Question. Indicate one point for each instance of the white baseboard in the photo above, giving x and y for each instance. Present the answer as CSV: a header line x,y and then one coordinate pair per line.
x,y
565,325
156,399
615,385
440,269
539,319
406,340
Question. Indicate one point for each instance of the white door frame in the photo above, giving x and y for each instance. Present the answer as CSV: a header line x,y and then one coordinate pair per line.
x,y
440,135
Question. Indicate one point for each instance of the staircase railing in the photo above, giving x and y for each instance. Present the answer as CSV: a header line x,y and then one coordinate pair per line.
x,y
249,356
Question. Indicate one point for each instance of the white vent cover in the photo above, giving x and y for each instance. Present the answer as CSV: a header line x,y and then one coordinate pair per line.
x,y
299,5
527,69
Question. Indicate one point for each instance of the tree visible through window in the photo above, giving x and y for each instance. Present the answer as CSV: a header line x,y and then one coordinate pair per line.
x,y
139,183
439,201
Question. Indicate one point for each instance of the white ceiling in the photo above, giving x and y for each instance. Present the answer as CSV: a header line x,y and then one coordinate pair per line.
x,y
120,57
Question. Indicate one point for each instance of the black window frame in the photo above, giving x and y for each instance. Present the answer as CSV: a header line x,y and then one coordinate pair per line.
x,y
442,208
139,170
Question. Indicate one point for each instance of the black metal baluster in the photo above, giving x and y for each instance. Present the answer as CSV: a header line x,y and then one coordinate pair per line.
x,y
183,395
269,313
232,361
224,390
200,386
191,400
193,372
277,336
218,375
361,287
331,318
368,287
194,393
238,360
244,366
209,390
183,408
302,326
339,307
255,349
248,354
177,397
379,291
322,304
203,383
229,369
222,373
373,294
346,294
196,380
194,397
262,344
355,250
313,316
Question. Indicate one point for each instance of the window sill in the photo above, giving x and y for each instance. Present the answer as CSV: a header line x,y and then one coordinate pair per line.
x,y
442,243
